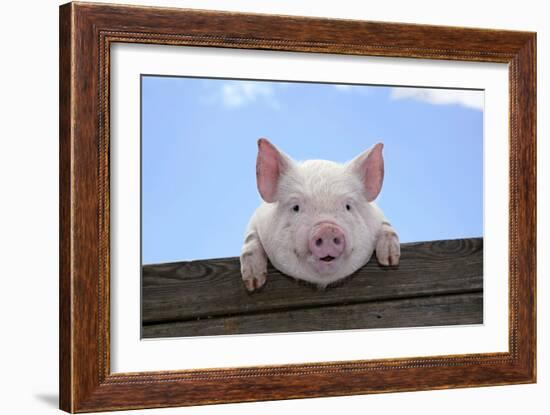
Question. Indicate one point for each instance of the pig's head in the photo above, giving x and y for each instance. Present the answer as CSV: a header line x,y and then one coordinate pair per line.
x,y
319,223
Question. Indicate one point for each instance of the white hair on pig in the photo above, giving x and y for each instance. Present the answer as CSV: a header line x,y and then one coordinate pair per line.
x,y
318,221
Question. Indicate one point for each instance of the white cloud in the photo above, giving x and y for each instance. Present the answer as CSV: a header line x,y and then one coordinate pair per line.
x,y
343,87
352,89
235,94
469,99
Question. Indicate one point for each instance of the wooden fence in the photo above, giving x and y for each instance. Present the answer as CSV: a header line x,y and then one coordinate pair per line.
x,y
437,283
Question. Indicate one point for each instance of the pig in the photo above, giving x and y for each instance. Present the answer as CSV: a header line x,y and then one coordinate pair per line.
x,y
318,221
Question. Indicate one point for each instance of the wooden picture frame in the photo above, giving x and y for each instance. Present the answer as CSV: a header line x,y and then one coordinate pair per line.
x,y
86,33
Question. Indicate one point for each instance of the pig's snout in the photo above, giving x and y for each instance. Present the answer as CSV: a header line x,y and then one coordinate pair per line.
x,y
327,241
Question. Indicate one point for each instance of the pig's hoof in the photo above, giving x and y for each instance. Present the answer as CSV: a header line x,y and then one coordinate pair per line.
x,y
253,269
388,249
254,272
254,282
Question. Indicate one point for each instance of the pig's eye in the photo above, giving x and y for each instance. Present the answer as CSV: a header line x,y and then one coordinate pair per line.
x,y
348,206
296,208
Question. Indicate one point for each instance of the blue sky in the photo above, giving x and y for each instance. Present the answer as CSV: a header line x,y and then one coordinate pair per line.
x,y
199,151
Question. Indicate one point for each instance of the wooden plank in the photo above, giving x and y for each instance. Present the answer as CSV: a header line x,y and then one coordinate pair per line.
x,y
201,289
439,310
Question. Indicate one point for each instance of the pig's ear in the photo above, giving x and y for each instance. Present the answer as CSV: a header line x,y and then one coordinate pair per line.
x,y
370,168
270,165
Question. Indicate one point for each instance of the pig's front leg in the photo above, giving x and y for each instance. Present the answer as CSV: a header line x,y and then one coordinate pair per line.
x,y
388,249
253,262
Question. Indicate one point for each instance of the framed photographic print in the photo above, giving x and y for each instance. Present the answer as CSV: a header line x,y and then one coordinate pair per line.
x,y
258,207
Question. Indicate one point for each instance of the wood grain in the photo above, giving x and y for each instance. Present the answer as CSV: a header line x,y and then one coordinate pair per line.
x,y
440,310
66,382
201,291
86,33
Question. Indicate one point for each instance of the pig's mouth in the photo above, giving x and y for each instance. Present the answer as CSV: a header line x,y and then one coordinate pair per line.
x,y
326,264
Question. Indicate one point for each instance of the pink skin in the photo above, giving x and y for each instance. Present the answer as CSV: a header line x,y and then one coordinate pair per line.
x,y
327,243
302,227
